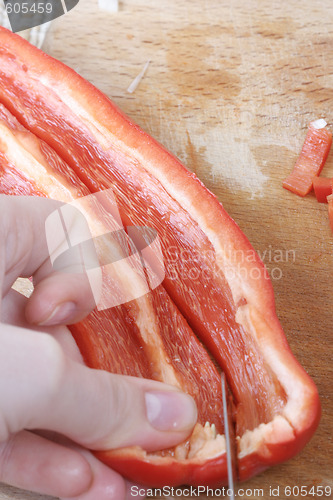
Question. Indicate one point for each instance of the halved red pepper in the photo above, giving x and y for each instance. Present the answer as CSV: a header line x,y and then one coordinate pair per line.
x,y
311,160
213,276
116,339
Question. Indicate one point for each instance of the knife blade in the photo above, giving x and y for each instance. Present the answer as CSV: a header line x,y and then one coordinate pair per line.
x,y
227,439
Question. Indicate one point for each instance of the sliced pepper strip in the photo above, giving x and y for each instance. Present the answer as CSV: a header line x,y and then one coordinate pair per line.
x,y
231,307
311,160
323,187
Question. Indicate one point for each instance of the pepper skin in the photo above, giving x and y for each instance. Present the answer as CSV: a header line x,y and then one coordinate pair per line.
x,y
214,278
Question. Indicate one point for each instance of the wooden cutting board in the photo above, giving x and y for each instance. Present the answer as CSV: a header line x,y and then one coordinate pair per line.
x,y
230,89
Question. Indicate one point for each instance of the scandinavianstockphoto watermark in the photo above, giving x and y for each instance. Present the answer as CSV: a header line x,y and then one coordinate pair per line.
x,y
270,491
206,265
125,263
26,14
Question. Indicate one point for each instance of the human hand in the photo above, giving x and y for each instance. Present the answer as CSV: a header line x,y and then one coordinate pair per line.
x,y
44,385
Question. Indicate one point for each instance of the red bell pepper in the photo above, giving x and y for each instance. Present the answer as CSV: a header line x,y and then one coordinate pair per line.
x,y
311,160
323,187
213,276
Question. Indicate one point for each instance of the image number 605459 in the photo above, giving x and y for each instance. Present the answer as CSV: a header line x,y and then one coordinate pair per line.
x,y
26,14
28,7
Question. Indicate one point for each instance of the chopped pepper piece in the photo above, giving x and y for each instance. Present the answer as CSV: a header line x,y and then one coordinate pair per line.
x,y
214,279
311,160
323,187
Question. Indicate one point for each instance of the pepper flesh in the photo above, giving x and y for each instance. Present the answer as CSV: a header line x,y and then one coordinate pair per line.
x,y
277,406
310,162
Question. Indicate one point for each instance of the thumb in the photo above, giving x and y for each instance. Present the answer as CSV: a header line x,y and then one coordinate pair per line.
x,y
94,408
51,241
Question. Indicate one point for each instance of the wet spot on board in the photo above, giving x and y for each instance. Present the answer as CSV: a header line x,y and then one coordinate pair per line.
x,y
227,170
275,161
195,159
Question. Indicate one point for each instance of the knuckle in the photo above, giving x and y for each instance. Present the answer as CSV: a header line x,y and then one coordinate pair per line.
x,y
120,402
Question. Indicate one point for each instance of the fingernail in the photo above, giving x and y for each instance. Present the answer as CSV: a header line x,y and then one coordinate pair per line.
x,y
62,314
170,410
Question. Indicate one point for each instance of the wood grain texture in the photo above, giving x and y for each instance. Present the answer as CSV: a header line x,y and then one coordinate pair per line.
x,y
230,89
